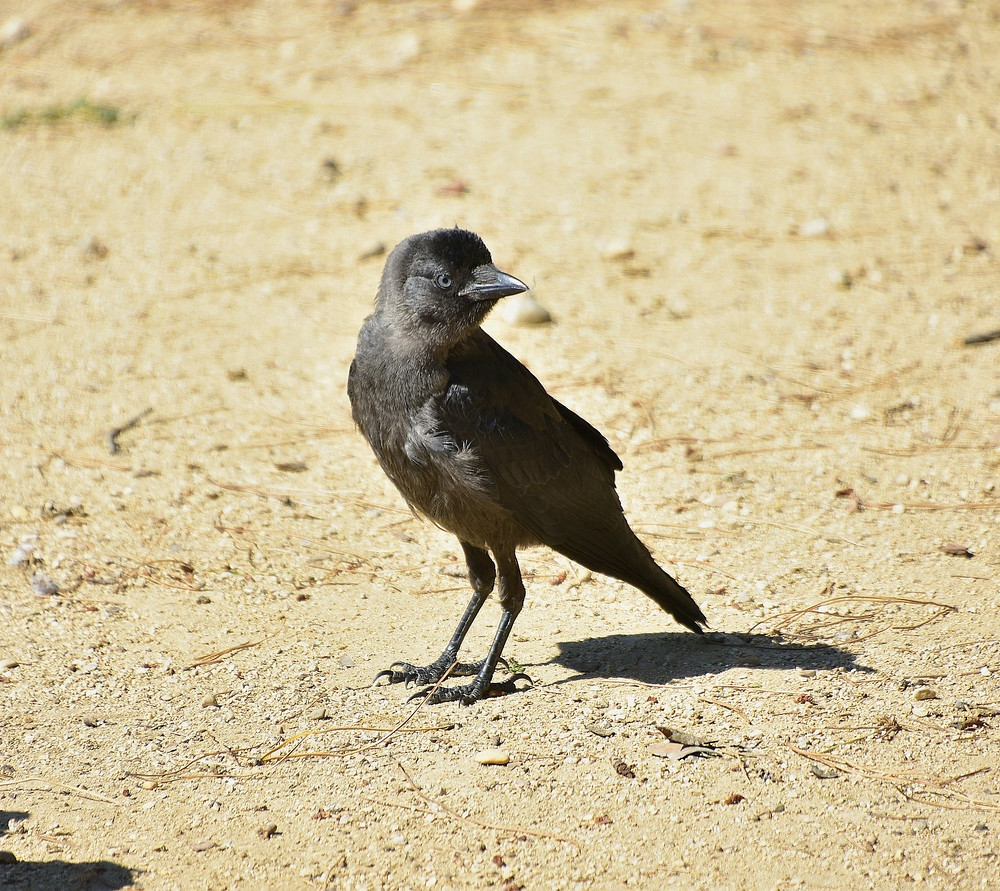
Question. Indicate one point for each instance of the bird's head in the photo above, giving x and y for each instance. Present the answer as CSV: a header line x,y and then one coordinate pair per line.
x,y
441,284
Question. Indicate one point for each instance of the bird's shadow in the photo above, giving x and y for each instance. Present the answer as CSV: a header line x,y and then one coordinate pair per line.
x,y
58,875
658,658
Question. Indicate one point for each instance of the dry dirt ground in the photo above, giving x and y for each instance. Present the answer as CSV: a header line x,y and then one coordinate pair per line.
x,y
763,230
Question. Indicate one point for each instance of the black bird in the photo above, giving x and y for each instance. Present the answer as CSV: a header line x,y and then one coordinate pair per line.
x,y
473,442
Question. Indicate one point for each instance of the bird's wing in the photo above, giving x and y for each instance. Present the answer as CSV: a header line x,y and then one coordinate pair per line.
x,y
549,467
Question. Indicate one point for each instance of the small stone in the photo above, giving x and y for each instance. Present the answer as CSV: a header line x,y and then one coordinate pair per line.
x,y
318,714
202,599
493,756
860,413
602,730
840,278
618,249
346,662
815,228
806,672
93,248
91,721
899,508
921,711
13,31
22,555
922,693
268,830
210,701
523,309
42,585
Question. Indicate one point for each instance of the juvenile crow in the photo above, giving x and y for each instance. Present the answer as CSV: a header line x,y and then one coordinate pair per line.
x,y
473,442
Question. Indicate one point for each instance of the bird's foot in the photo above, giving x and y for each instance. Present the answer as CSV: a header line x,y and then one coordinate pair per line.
x,y
422,675
474,691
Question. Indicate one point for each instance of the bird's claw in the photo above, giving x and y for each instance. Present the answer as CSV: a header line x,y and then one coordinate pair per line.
x,y
410,675
470,693
503,688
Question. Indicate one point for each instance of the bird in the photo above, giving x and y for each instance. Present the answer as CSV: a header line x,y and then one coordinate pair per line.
x,y
474,443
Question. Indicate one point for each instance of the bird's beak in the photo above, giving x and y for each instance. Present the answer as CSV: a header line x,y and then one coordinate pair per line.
x,y
489,283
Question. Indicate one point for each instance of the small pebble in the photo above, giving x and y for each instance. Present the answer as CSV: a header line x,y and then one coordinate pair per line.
x,y
13,31
921,711
860,413
840,278
346,662
210,701
523,309
22,553
618,249
806,672
42,585
815,228
318,714
922,693
493,756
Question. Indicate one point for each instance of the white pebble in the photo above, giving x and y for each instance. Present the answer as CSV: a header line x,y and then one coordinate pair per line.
x,y
618,249
860,413
22,554
13,31
493,756
815,228
523,309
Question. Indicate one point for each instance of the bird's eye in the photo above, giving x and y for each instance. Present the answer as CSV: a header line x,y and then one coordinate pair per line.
x,y
443,281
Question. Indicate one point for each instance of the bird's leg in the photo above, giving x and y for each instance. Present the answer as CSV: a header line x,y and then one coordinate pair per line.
x,y
511,599
482,576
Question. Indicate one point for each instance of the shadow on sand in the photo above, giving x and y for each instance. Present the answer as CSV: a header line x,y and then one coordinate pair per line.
x,y
56,875
658,658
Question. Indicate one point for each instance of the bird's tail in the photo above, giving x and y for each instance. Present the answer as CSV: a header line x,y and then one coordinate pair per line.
x,y
671,596
632,563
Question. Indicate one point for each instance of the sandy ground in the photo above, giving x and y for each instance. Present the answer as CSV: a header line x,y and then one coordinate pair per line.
x,y
763,231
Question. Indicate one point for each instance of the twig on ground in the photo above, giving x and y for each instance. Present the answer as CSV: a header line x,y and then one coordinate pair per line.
x,y
935,791
212,658
57,786
267,756
113,434
784,619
